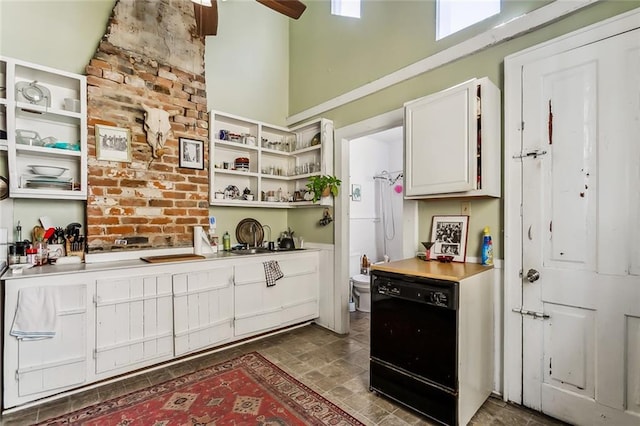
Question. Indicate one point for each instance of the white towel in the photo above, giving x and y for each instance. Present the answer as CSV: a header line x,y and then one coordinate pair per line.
x,y
36,314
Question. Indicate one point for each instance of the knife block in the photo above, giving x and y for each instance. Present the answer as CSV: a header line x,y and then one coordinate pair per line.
x,y
75,249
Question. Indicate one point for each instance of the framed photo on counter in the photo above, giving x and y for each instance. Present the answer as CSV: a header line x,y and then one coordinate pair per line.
x,y
449,233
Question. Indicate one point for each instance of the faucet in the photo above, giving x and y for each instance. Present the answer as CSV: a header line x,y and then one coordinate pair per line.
x,y
269,228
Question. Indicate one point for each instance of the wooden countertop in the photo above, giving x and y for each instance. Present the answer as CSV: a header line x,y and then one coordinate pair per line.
x,y
432,269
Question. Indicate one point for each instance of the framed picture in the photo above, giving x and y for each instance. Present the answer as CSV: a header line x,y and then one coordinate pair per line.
x,y
113,143
356,192
191,154
449,233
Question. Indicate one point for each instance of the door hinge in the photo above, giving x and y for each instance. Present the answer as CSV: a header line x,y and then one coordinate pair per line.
x,y
95,354
534,314
17,376
535,153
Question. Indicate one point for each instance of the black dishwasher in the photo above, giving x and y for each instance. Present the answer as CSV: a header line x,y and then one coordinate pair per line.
x,y
414,325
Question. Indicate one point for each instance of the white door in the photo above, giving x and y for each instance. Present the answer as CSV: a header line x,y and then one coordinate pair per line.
x,y
580,233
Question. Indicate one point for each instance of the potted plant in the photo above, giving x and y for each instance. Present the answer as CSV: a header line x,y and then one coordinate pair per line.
x,y
323,186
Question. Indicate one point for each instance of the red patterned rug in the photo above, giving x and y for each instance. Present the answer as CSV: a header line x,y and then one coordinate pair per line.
x,y
248,390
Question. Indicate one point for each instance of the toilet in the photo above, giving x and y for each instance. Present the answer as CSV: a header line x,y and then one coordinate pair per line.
x,y
362,292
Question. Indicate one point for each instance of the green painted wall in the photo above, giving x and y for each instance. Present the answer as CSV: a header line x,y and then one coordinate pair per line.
x,y
335,55
305,223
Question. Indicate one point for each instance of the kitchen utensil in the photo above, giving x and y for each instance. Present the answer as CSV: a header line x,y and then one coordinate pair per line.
x,y
28,137
33,93
49,234
245,232
4,188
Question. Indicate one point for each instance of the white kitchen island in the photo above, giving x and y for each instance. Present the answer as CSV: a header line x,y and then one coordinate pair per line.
x,y
114,318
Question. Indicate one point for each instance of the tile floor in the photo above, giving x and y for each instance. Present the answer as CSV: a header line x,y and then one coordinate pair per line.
x,y
333,365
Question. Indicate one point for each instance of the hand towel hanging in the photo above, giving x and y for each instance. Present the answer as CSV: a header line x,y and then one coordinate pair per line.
x,y
272,272
36,314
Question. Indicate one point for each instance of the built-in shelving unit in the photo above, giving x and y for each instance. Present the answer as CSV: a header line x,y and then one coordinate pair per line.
x,y
273,163
43,115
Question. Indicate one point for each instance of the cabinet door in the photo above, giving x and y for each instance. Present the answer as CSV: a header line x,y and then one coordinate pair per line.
x,y
300,288
38,368
441,142
133,322
203,308
257,307
294,297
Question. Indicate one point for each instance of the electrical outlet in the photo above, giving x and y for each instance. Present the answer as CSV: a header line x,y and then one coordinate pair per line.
x,y
465,208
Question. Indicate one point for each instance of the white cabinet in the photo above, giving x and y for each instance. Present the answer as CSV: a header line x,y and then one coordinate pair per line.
x,y
452,142
43,111
37,368
202,308
273,162
134,326
115,320
294,298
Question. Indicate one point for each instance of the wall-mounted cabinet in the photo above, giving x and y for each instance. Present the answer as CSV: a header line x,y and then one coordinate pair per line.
x,y
43,116
452,142
272,162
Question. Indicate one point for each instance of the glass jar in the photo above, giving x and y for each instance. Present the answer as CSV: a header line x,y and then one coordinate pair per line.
x,y
42,253
31,256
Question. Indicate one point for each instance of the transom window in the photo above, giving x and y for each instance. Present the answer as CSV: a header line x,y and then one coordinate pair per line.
x,y
455,15
348,8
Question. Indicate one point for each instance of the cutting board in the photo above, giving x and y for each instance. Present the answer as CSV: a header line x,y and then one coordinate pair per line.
x,y
171,258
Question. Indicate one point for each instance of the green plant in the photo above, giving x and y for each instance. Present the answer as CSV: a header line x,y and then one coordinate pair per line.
x,y
323,183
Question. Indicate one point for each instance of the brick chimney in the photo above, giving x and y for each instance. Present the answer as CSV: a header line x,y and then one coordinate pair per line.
x,y
150,54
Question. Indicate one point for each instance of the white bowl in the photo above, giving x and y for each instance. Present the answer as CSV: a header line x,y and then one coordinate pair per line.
x,y
48,170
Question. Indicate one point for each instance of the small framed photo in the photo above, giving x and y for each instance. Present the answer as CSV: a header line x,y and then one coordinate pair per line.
x,y
449,234
113,143
356,192
191,154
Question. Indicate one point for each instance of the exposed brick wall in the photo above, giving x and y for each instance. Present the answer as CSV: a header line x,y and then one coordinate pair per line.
x,y
151,198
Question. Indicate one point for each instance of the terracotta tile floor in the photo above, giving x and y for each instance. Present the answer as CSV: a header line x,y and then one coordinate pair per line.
x,y
334,366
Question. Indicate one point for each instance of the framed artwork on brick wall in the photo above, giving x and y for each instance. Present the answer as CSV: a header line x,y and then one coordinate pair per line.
x,y
191,154
113,143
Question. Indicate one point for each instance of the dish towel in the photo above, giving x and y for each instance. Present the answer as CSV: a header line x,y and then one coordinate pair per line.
x,y
272,272
36,314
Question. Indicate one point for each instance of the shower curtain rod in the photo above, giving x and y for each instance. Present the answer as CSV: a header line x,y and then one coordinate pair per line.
x,y
386,174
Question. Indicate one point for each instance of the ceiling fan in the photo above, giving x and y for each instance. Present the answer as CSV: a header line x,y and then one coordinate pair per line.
x,y
206,12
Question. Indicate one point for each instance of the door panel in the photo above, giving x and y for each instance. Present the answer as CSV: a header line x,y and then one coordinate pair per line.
x,y
633,364
569,338
580,208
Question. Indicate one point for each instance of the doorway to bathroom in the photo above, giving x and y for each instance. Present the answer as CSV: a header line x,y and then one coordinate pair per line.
x,y
369,161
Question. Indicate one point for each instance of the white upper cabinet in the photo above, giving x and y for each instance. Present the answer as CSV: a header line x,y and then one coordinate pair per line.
x,y
452,142
43,116
271,163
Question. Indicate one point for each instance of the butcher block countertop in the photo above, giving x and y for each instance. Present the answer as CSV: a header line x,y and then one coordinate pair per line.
x,y
452,271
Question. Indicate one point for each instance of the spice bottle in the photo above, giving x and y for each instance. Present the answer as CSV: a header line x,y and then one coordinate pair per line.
x,y
31,256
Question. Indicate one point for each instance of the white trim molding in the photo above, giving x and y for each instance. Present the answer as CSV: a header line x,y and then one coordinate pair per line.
x,y
503,32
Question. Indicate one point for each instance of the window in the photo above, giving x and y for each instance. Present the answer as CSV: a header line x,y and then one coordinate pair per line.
x,y
454,15
348,8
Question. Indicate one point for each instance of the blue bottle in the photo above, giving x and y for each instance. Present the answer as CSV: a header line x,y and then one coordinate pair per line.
x,y
487,248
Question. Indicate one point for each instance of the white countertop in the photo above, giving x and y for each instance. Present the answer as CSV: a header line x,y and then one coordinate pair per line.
x,y
38,271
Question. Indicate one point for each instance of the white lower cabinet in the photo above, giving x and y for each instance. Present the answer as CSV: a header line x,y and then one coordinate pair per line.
x,y
133,322
293,298
113,321
37,368
202,308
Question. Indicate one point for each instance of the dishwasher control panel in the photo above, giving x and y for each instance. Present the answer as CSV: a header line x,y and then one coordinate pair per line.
x,y
431,292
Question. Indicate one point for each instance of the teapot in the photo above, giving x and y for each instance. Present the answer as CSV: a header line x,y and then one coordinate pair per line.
x,y
286,240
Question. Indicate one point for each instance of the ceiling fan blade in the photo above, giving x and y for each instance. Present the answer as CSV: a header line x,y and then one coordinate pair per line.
x,y
291,8
206,18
